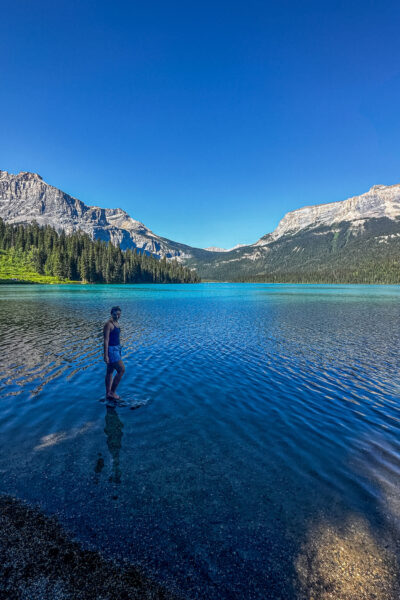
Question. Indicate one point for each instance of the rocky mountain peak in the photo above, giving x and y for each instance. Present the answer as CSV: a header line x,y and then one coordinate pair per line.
x,y
22,175
30,176
380,201
25,197
375,188
218,249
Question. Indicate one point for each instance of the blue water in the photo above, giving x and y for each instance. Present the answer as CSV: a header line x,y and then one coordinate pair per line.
x,y
263,414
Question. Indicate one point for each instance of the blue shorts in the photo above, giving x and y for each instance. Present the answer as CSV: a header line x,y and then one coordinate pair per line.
x,y
114,353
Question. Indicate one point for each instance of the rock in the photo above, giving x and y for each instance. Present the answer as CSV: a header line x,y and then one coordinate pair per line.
x,y
25,198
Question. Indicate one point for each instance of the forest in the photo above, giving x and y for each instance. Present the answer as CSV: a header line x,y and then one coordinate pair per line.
x,y
30,249
340,254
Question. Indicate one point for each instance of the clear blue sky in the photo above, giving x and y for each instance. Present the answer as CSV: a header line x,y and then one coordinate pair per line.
x,y
207,121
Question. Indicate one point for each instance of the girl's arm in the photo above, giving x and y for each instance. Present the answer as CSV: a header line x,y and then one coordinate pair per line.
x,y
106,333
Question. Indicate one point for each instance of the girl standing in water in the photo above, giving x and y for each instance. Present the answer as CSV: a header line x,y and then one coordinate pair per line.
x,y
112,353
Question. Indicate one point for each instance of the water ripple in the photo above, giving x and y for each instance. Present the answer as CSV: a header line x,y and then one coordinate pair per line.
x,y
258,408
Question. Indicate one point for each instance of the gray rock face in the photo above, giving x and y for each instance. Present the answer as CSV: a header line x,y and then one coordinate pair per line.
x,y
26,197
380,201
216,249
356,215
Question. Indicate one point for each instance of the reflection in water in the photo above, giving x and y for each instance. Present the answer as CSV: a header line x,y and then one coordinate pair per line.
x,y
274,404
113,431
346,563
43,345
49,337
99,467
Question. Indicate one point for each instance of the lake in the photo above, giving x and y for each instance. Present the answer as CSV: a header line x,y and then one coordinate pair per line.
x,y
258,455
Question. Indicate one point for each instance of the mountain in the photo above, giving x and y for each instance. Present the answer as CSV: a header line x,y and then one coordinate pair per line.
x,y
26,197
353,240
379,202
216,249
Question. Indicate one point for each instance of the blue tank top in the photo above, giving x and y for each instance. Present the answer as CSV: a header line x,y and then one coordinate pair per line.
x,y
114,336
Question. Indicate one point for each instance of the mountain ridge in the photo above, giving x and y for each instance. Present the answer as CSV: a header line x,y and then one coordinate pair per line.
x,y
375,203
25,197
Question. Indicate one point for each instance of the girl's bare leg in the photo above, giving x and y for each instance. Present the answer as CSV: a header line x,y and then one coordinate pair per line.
x,y
120,371
108,379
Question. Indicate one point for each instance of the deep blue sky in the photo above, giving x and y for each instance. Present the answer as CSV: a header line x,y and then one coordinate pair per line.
x,y
207,121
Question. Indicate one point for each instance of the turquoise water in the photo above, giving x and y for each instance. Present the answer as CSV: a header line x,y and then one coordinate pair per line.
x,y
263,416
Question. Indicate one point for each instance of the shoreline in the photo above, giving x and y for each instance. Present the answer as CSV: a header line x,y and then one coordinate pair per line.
x,y
40,559
84,283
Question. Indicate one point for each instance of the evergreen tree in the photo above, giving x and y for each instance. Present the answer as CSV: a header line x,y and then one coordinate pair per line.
x,y
77,257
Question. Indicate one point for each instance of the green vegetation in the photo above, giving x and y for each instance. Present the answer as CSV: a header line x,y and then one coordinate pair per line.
x,y
18,266
29,253
370,254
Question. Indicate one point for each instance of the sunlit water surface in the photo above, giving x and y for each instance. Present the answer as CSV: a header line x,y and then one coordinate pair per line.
x,y
267,423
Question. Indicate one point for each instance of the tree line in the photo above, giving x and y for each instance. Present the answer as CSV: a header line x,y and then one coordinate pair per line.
x,y
319,255
77,257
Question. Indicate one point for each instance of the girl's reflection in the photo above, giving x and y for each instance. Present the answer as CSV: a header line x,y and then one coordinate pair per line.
x,y
113,431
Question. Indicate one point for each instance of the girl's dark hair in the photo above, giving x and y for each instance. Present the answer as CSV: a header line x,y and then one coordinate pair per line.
x,y
115,308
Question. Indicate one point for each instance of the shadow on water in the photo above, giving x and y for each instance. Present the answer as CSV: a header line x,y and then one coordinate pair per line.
x,y
272,481
113,430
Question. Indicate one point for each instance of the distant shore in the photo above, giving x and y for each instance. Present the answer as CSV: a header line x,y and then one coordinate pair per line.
x,y
38,559
27,282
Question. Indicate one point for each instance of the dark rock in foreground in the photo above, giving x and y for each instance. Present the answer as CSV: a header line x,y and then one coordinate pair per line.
x,y
39,561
